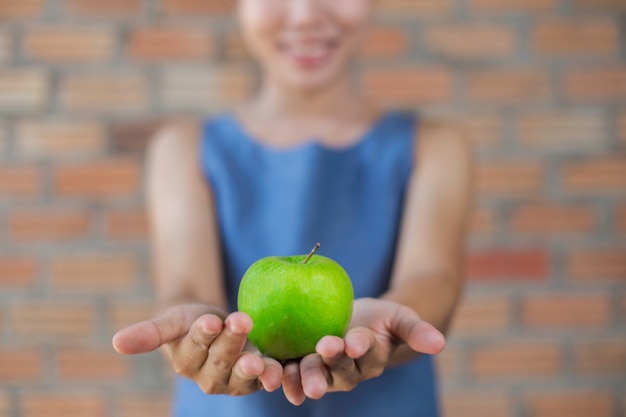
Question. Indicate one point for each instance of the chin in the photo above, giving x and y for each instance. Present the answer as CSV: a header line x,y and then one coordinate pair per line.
x,y
314,80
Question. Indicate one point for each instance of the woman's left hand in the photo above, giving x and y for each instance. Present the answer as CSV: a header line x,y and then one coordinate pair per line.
x,y
377,329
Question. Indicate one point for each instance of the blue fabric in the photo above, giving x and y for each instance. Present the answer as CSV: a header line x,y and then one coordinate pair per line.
x,y
281,202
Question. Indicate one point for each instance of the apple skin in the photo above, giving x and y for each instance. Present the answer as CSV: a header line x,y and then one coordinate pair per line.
x,y
294,304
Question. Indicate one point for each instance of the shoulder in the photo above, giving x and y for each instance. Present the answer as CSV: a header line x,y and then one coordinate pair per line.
x,y
443,143
175,138
172,156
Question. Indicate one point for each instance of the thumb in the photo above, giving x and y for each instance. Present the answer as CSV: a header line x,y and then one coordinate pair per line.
x,y
419,335
149,335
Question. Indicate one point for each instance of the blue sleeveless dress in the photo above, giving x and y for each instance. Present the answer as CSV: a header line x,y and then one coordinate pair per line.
x,y
281,202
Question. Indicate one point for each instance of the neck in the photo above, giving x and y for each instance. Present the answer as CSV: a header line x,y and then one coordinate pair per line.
x,y
338,99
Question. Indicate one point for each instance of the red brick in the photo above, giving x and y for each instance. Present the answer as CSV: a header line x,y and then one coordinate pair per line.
x,y
48,321
23,90
565,310
63,405
476,403
576,36
605,357
601,5
597,264
48,225
426,8
20,365
551,218
602,84
19,181
385,42
516,359
595,174
196,7
508,86
122,314
194,89
482,315
169,43
508,264
66,44
126,224
102,9
75,363
107,178
570,404
17,271
5,45
470,41
482,222
21,9
101,273
563,131
154,405
510,178
59,138
115,93
408,85
513,5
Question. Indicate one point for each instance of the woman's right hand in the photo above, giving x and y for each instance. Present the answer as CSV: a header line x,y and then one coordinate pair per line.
x,y
204,348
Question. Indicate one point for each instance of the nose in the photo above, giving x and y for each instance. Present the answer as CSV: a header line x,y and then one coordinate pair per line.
x,y
305,13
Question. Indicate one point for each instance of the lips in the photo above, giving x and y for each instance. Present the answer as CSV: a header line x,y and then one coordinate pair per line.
x,y
308,54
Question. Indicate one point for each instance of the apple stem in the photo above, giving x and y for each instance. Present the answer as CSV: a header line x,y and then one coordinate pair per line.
x,y
315,248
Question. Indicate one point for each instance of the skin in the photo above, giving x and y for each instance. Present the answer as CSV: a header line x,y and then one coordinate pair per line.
x,y
204,342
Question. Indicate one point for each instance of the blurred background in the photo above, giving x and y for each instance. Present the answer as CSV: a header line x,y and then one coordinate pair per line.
x,y
539,84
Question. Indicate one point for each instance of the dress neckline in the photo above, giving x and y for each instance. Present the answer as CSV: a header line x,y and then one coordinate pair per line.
x,y
372,132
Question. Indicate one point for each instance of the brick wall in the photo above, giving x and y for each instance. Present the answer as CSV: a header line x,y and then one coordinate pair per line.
x,y
540,84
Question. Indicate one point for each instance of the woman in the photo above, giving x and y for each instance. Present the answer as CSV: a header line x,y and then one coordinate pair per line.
x,y
306,159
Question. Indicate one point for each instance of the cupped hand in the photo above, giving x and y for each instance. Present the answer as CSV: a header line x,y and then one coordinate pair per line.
x,y
204,348
378,328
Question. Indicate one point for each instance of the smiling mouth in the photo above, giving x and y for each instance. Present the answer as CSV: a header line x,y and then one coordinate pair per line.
x,y
309,55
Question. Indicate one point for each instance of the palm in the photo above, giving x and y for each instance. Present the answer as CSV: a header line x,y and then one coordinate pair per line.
x,y
377,328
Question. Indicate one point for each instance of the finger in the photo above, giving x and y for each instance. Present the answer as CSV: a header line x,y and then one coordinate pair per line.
x,y
245,374
227,347
191,352
329,347
343,372
272,375
292,384
369,355
149,335
419,335
359,341
314,376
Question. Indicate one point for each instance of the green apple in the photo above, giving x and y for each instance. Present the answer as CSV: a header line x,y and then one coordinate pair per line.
x,y
294,301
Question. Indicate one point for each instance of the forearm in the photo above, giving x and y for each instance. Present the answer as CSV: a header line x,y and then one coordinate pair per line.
x,y
434,298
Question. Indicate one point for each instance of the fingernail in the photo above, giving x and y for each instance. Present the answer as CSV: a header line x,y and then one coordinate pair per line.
x,y
235,328
208,332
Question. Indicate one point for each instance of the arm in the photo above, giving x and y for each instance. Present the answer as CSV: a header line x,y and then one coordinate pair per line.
x,y
426,280
199,338
428,269
187,263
